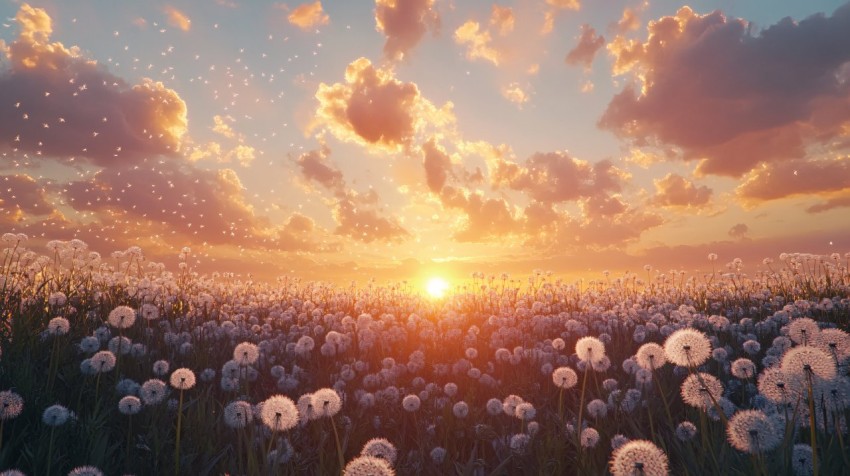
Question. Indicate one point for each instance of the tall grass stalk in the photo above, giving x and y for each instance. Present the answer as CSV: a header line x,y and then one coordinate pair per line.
x,y
177,437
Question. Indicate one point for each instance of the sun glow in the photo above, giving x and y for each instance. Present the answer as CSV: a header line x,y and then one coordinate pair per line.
x,y
437,287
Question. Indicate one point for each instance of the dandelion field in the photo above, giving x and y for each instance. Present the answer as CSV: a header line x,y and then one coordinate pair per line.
x,y
117,365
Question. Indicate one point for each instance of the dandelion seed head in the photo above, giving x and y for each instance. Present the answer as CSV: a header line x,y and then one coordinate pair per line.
x,y
590,348
380,448
519,443
801,460
153,392
687,347
326,402
368,466
121,317
58,326
651,356
246,353
698,390
525,411
800,360
752,431
130,405
160,368
597,409
86,471
279,413
639,457
618,440
743,368
182,379
460,409
11,405
564,377
686,431
411,403
55,415
589,438
238,414
438,455
103,361
90,344
803,330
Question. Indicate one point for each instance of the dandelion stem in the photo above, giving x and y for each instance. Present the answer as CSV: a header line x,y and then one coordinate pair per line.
x,y
50,449
338,446
177,439
812,423
581,408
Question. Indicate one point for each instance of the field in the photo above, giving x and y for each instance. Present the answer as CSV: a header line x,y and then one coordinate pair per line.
x,y
117,365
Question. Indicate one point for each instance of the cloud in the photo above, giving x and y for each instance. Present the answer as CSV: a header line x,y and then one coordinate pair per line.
x,y
404,22
300,233
477,42
673,190
374,109
64,105
630,21
796,177
176,18
588,45
308,16
515,93
316,167
739,231
554,177
437,165
22,196
731,99
222,127
502,18
832,203
565,4
486,218
366,225
181,197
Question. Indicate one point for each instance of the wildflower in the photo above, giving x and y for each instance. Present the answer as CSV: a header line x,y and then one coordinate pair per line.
x,y
55,415
129,405
651,356
411,403
590,348
58,326
153,392
438,455
122,317
698,390
103,361
801,460
687,347
743,368
686,431
751,431
238,414
639,457
160,368
519,443
380,448
279,413
11,405
86,471
564,377
368,466
589,438
326,402
246,353
460,409
182,379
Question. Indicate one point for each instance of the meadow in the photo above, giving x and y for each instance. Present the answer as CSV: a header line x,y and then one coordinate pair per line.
x,y
118,365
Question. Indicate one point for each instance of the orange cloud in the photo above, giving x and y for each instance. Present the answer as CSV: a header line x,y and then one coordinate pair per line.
x,y
565,4
404,22
437,165
588,45
374,109
177,19
22,196
477,42
762,98
315,167
308,16
502,18
66,105
673,190
514,93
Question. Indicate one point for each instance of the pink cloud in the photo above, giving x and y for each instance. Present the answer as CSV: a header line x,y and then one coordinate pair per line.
x,y
837,202
730,99
316,167
308,16
588,45
795,177
58,103
437,165
404,22
673,190
366,224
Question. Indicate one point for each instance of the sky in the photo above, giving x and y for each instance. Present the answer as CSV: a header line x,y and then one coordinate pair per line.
x,y
401,139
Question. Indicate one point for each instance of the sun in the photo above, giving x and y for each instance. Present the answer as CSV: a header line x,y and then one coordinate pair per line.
x,y
437,287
